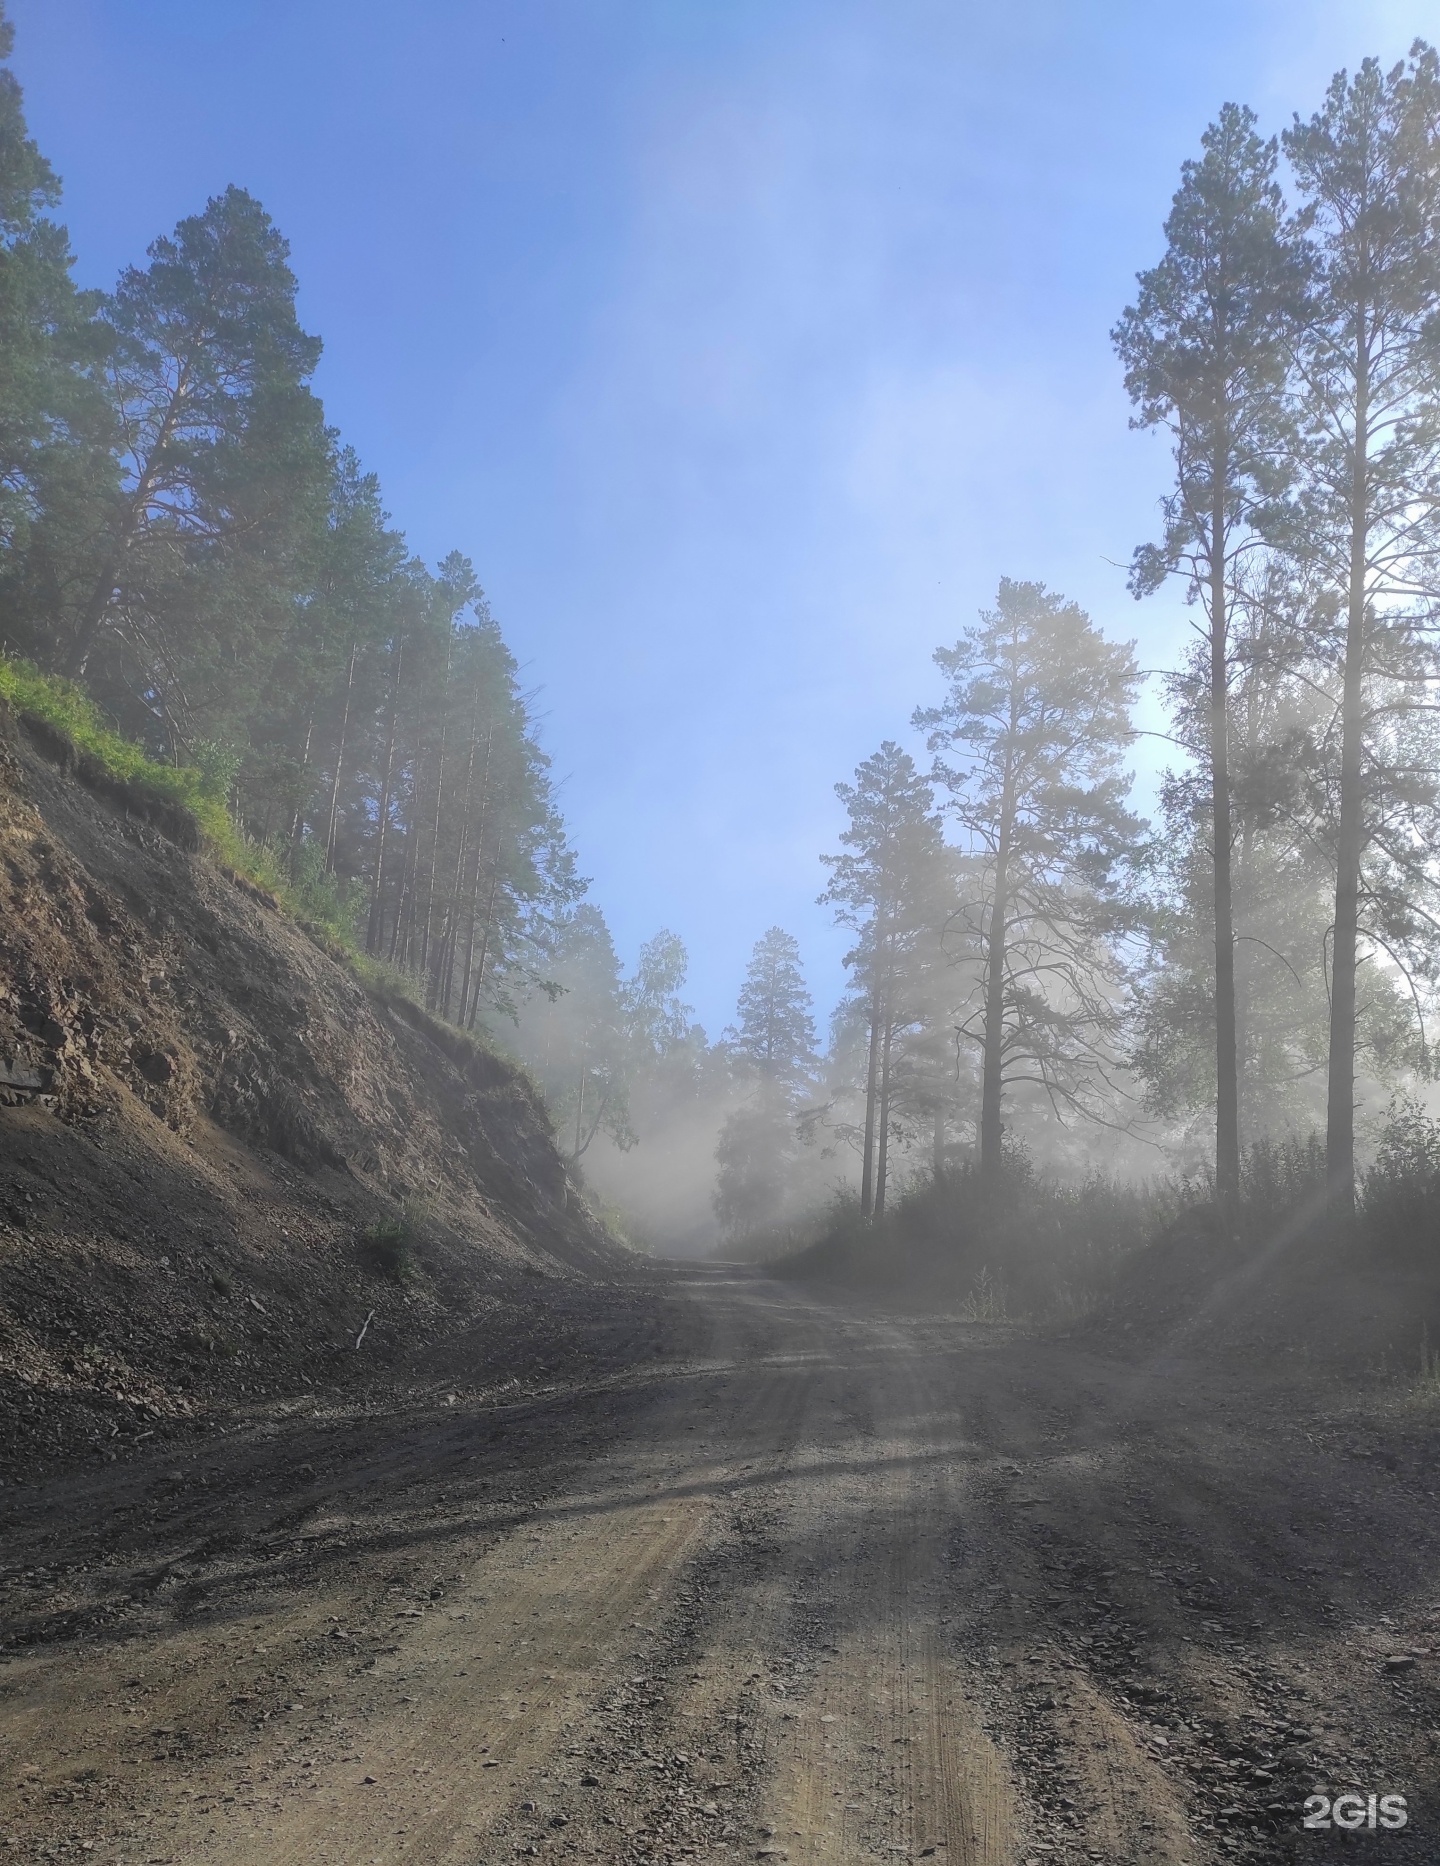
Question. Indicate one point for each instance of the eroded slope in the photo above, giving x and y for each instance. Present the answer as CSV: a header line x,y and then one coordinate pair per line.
x,y
202,1112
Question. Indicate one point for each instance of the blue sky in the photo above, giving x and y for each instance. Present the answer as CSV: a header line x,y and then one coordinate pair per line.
x,y
742,345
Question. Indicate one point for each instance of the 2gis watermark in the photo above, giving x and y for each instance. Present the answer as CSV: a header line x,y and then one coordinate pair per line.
x,y
1354,1811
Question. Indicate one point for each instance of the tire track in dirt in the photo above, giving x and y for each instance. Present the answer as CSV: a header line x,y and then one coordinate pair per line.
x,y
545,1617
1136,1812
889,1757
435,1789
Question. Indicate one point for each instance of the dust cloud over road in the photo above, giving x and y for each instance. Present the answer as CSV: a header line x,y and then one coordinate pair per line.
x,y
830,1587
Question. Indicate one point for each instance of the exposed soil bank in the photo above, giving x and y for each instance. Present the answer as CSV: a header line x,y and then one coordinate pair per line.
x,y
200,1114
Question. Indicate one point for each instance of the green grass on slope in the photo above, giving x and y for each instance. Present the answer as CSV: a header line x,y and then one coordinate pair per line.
x,y
297,879
64,707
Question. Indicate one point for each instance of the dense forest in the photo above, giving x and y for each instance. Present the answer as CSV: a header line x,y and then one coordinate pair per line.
x,y
1035,972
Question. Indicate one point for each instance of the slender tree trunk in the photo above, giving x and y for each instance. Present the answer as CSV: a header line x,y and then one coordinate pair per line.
x,y
405,906
434,962
377,904
93,615
992,1081
1340,1104
484,944
937,1146
423,959
471,930
332,816
1227,1060
442,966
473,927
1244,894
872,1070
461,857
297,819
883,1137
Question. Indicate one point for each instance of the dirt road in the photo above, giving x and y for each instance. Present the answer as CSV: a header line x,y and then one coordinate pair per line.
x,y
835,1588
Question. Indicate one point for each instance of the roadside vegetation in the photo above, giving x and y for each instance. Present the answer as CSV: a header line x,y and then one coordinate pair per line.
x,y
1025,1248
1065,1027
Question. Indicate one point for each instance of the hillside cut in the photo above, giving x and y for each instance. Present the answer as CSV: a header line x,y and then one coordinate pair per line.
x,y
221,1151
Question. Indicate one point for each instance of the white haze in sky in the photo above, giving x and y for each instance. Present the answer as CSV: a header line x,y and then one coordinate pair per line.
x,y
743,347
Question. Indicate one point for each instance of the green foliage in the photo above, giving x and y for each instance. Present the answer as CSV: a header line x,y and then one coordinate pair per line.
x,y
897,885
1029,741
1205,348
386,1248
987,1301
1014,1242
774,1037
1279,1178
53,422
223,463
181,533
579,1037
658,1019
62,704
218,765
772,1051
1367,520
1400,1194
1029,1248
754,1158
348,731
300,884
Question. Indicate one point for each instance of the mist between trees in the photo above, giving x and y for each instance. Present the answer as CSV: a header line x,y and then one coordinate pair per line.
x,y
1038,978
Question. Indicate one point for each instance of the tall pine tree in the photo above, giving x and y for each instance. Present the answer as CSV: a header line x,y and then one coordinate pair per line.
x,y
1205,348
218,523
1029,741
1367,166
892,886
773,1046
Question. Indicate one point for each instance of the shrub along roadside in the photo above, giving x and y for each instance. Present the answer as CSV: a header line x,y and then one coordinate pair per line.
x,y
1019,1247
1027,1249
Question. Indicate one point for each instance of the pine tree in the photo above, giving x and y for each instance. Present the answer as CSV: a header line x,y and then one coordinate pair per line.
x,y
657,1017
305,733
892,887
774,1034
1367,166
576,1039
773,1046
1284,711
1029,741
225,468
55,460
1205,348
180,530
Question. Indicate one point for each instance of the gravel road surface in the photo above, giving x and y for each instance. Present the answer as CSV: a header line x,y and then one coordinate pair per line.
x,y
835,1587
